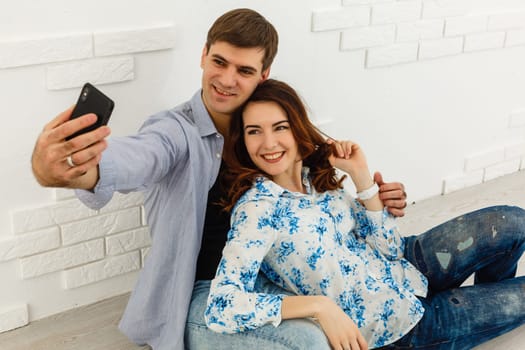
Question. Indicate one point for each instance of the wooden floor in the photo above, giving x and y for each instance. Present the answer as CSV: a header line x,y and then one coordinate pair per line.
x,y
94,327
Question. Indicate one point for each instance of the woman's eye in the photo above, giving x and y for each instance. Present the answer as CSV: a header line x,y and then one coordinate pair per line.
x,y
252,132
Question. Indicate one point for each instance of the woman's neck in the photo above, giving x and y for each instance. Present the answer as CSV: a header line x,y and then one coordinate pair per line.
x,y
292,180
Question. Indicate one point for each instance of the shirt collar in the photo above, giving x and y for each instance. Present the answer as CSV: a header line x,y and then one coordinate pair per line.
x,y
268,187
201,116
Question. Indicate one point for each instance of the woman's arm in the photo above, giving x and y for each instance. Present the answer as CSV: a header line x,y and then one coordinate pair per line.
x,y
233,306
350,158
341,331
374,224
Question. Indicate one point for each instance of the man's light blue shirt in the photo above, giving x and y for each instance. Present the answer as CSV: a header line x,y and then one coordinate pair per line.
x,y
174,159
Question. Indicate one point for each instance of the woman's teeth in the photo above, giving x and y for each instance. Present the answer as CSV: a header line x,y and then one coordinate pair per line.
x,y
273,156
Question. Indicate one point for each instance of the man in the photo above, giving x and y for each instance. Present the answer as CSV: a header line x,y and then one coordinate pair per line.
x,y
175,158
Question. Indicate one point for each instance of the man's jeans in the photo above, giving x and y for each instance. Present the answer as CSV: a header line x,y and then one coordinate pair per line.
x,y
298,334
488,242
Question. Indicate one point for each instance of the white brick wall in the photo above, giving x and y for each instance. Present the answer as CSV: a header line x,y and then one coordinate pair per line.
x,y
492,163
500,169
29,244
484,41
340,19
394,12
388,30
408,31
515,38
82,245
67,234
103,269
97,71
465,180
96,57
440,48
414,31
510,20
14,317
118,42
391,55
465,25
444,8
23,52
517,118
364,37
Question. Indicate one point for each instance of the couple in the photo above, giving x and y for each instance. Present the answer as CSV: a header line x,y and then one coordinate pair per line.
x,y
175,159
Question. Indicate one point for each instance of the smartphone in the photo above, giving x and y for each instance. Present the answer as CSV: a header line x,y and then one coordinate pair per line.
x,y
92,100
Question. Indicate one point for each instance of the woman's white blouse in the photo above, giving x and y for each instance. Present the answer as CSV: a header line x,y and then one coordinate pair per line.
x,y
315,244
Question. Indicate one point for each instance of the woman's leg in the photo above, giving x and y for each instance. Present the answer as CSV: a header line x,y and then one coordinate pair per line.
x,y
488,242
462,318
296,334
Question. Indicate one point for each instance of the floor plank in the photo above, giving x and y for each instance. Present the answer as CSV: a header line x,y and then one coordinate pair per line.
x,y
93,327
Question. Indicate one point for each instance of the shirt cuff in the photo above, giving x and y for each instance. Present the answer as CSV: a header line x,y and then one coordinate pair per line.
x,y
105,187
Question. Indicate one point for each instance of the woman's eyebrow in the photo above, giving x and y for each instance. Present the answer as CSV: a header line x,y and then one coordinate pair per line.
x,y
274,124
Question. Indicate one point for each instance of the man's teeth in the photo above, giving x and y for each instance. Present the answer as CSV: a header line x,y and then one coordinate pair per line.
x,y
223,92
273,156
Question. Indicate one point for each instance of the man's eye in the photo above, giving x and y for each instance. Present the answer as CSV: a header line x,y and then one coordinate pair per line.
x,y
219,62
246,72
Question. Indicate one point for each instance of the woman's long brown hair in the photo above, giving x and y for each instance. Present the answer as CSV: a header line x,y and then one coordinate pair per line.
x,y
240,172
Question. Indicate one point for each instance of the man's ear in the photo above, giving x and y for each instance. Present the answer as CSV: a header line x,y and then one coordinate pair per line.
x,y
203,55
265,74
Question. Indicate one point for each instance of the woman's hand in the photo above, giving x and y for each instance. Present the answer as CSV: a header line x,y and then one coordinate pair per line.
x,y
350,158
341,331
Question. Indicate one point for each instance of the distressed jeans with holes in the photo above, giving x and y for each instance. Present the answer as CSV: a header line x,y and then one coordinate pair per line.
x,y
487,243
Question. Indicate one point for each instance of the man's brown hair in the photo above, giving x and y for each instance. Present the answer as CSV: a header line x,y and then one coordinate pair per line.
x,y
245,28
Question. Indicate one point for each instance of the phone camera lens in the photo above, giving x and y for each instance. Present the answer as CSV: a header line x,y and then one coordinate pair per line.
x,y
84,95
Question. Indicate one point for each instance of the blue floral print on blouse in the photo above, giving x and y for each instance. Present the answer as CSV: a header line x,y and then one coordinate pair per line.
x,y
315,244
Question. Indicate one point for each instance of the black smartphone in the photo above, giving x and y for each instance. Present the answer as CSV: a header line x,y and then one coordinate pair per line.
x,y
92,100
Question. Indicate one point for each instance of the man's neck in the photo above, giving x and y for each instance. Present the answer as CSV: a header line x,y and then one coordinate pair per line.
x,y
222,123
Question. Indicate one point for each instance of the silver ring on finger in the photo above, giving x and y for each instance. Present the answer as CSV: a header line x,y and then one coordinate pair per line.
x,y
70,161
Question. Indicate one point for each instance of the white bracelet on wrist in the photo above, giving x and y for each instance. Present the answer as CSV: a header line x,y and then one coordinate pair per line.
x,y
368,193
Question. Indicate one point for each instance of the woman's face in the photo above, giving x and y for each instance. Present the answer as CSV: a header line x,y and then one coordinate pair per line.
x,y
269,139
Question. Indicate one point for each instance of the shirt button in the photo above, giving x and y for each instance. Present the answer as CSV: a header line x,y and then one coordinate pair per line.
x,y
218,155
218,136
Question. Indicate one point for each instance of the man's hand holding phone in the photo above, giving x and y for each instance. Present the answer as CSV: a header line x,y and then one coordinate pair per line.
x,y
68,150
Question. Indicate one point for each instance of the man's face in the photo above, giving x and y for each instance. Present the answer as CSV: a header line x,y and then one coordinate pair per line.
x,y
230,74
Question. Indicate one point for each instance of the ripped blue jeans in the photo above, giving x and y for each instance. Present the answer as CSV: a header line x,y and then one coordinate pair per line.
x,y
487,243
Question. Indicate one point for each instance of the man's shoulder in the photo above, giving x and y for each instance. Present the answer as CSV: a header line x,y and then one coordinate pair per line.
x,y
191,113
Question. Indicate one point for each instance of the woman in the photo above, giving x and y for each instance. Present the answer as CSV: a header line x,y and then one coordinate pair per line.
x,y
343,258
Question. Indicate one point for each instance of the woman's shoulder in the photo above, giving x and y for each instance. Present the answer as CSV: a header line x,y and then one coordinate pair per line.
x,y
263,188
263,192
